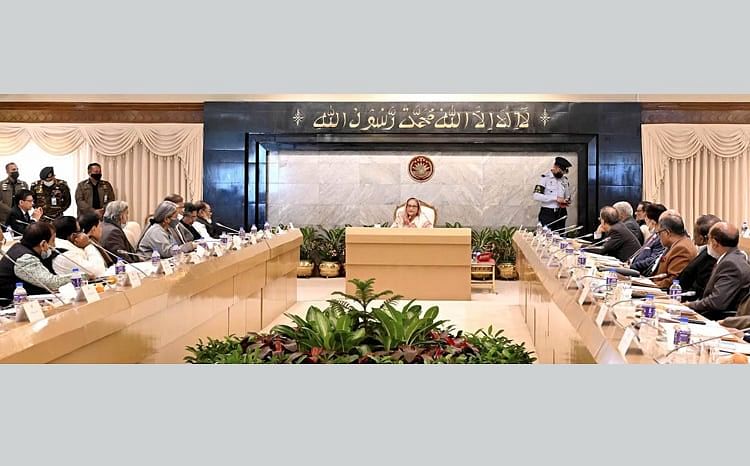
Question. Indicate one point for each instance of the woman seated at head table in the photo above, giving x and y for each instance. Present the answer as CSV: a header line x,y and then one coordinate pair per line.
x,y
412,216
161,236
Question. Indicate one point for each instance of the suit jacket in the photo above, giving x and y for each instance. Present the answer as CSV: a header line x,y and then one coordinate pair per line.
x,y
674,261
114,240
635,229
646,258
17,214
729,283
622,243
696,275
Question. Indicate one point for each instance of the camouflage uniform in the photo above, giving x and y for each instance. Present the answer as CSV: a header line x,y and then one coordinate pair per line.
x,y
53,200
7,192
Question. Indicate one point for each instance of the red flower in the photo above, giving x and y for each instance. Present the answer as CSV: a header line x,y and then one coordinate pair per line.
x,y
314,353
277,346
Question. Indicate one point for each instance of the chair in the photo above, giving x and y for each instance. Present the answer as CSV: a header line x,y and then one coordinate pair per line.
x,y
133,232
426,208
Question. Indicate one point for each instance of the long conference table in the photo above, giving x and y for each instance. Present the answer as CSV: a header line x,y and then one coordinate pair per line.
x,y
239,292
563,330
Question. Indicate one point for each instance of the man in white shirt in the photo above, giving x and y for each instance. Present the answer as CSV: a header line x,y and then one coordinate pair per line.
x,y
553,192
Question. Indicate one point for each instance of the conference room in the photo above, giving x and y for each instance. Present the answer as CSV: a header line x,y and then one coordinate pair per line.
x,y
350,229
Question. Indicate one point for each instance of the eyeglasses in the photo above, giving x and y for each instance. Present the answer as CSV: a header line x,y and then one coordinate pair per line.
x,y
411,205
662,231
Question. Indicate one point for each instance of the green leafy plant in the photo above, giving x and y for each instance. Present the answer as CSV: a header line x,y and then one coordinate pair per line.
x,y
502,241
331,244
308,248
453,225
338,335
482,240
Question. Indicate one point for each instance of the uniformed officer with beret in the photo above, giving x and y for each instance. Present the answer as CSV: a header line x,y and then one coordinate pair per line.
x,y
553,192
51,194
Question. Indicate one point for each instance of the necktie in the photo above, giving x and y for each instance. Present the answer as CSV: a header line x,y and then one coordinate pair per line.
x,y
96,203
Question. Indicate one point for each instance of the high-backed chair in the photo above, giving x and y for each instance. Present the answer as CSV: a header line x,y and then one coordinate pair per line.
x,y
426,208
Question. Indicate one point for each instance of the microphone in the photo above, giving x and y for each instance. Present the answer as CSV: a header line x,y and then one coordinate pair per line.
x,y
226,227
48,218
597,243
572,228
138,254
116,257
552,223
40,283
733,332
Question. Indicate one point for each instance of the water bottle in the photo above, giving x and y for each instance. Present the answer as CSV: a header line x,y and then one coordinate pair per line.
x,y
20,296
120,272
242,234
611,280
581,258
649,328
539,229
155,260
76,279
176,254
224,240
674,296
682,333
253,230
266,226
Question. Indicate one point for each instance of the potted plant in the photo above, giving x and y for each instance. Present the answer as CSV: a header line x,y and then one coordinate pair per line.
x,y
307,251
481,242
331,250
504,252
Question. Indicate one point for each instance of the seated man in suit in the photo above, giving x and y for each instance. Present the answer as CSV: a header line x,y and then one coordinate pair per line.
x,y
185,228
114,238
621,242
730,280
679,249
19,218
652,249
698,272
412,216
625,212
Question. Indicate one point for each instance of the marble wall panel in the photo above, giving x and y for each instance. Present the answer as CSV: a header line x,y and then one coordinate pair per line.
x,y
475,189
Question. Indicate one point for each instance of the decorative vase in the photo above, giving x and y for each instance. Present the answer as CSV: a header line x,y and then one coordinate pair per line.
x,y
305,268
329,269
507,270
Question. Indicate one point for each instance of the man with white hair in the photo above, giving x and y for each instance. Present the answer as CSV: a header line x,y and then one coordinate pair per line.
x,y
113,237
625,212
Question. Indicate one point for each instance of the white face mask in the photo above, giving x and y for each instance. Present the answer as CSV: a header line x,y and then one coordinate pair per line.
x,y
48,183
712,252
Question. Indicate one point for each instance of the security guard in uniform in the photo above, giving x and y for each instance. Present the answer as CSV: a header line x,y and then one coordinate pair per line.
x,y
51,194
9,187
553,191
94,193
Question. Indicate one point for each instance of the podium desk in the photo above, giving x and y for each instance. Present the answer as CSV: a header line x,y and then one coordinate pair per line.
x,y
417,263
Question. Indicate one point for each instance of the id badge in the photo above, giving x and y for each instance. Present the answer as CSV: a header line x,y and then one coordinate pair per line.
x,y
53,201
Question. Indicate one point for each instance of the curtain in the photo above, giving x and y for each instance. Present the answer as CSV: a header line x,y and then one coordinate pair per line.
x,y
698,169
144,163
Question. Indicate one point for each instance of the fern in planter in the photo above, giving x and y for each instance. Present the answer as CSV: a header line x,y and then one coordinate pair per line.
x,y
308,250
331,244
502,240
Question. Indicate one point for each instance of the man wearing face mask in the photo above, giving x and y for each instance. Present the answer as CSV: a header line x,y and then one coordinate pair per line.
x,y
730,279
29,269
553,192
94,193
697,273
9,187
51,194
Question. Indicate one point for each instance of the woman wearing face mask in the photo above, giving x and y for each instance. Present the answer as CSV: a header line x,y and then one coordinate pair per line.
x,y
76,250
113,237
160,236
35,246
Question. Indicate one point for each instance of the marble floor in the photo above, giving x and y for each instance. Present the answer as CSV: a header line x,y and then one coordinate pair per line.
x,y
502,309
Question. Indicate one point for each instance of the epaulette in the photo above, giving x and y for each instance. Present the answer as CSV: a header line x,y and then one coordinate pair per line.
x,y
62,182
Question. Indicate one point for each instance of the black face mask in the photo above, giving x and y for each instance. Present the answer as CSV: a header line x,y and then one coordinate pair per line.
x,y
13,176
558,174
96,176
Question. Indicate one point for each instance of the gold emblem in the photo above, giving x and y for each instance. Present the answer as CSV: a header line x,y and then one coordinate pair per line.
x,y
421,168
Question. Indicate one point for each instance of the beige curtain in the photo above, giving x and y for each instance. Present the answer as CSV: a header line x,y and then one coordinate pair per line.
x,y
698,169
144,163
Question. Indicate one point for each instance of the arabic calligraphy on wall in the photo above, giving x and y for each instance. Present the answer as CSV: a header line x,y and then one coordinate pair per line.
x,y
380,118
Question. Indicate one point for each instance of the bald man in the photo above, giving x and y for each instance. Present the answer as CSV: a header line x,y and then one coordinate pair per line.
x,y
621,242
730,280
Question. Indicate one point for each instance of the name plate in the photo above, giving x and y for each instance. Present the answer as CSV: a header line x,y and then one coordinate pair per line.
x,y
219,250
236,242
253,240
90,293
166,265
31,311
601,314
626,340
68,292
134,278
584,292
8,235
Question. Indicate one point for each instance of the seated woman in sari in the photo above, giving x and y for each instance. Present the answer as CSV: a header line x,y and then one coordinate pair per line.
x,y
412,216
